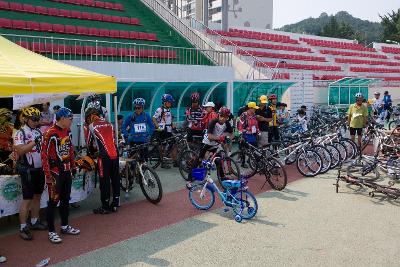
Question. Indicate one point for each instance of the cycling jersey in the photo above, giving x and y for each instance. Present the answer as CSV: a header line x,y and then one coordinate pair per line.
x,y
217,129
163,117
6,132
103,134
138,128
57,152
103,113
24,136
208,118
194,118
248,124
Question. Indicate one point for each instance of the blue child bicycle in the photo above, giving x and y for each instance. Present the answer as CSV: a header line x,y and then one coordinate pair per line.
x,y
236,195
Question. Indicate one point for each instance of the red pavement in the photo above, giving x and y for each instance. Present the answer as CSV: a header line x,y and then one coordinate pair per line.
x,y
131,220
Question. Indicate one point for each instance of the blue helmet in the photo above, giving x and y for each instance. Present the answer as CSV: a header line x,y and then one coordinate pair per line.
x,y
139,102
64,113
167,98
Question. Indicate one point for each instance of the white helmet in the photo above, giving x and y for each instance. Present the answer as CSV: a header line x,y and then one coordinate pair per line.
x,y
359,95
209,104
377,93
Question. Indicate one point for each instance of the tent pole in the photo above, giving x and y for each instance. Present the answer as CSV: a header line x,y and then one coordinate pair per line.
x,y
116,117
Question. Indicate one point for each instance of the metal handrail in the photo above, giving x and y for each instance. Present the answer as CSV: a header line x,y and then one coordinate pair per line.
x,y
193,22
173,55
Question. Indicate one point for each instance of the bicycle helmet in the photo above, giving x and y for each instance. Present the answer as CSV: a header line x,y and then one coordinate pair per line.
x,y
195,97
30,112
94,104
64,113
359,95
5,112
86,163
224,111
139,102
93,98
167,98
273,96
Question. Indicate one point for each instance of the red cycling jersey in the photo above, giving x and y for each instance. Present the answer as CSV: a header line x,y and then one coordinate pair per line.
x,y
209,117
102,133
248,124
57,152
6,132
194,118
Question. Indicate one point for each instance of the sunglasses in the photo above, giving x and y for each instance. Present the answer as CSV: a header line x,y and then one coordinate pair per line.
x,y
138,108
35,119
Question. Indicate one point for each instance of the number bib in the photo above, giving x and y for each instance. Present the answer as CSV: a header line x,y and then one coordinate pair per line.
x,y
140,128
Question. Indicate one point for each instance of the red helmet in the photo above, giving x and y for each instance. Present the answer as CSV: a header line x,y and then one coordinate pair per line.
x,y
273,96
195,97
224,111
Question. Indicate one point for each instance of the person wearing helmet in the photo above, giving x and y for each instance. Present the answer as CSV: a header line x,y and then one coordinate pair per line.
x,y
248,127
6,132
162,120
102,134
138,127
263,118
357,118
27,144
210,114
194,118
58,160
272,118
94,101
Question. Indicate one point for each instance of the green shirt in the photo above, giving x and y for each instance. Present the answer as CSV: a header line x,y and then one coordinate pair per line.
x,y
358,115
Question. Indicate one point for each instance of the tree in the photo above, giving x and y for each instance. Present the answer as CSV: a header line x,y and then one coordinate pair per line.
x,y
331,28
391,26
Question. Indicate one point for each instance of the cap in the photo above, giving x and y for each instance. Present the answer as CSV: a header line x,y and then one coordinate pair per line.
x,y
377,93
252,105
263,99
209,104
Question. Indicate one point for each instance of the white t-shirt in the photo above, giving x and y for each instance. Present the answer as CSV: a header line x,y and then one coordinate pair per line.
x,y
377,104
163,117
33,157
217,129
303,122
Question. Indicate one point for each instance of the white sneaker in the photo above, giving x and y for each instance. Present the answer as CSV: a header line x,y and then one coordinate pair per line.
x,y
54,238
2,259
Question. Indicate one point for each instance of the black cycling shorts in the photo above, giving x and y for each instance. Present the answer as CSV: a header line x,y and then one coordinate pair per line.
x,y
162,135
191,133
354,131
32,182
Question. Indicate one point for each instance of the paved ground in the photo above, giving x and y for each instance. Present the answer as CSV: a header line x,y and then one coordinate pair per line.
x,y
307,224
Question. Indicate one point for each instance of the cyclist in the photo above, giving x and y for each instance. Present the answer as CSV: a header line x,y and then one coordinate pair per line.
x,y
138,127
95,102
387,105
357,118
102,133
162,120
248,126
263,118
59,164
210,114
272,116
194,118
6,132
27,142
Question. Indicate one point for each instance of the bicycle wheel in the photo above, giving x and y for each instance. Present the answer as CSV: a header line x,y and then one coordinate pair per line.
x,y
342,151
392,125
201,198
325,156
363,168
245,204
335,155
246,163
227,169
351,148
151,185
126,177
276,174
309,163
366,140
155,156
187,161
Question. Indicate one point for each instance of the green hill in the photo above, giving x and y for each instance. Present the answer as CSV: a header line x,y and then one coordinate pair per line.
x,y
365,31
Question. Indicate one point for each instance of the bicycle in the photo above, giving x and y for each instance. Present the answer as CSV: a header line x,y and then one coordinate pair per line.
x,y
235,194
134,171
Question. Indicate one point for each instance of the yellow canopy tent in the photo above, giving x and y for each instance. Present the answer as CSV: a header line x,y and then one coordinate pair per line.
x,y
25,72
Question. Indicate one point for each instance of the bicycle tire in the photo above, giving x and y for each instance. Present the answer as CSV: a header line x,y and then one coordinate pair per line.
x,y
126,178
351,148
244,199
155,157
392,125
248,172
227,169
355,169
335,155
342,151
196,191
309,155
186,160
275,168
325,156
155,181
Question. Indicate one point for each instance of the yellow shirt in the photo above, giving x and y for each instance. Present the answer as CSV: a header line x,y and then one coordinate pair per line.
x,y
357,115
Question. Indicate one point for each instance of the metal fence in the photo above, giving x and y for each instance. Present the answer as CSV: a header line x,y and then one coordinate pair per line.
x,y
95,50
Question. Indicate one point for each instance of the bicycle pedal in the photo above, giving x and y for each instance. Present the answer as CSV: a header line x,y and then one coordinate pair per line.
x,y
226,209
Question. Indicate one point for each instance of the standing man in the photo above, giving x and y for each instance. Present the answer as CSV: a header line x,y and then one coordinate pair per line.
x,y
162,120
59,166
377,105
95,102
387,105
357,118
263,121
47,117
27,143
194,117
273,122
102,133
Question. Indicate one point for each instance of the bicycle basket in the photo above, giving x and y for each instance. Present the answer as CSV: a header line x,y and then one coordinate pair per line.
x,y
199,173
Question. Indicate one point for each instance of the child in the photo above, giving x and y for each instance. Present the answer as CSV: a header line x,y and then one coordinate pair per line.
x,y
302,118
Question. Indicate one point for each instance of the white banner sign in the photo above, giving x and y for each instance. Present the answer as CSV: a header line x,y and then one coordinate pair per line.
x,y
22,101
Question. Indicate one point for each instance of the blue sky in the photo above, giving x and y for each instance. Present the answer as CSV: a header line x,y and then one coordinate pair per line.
x,y
291,11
